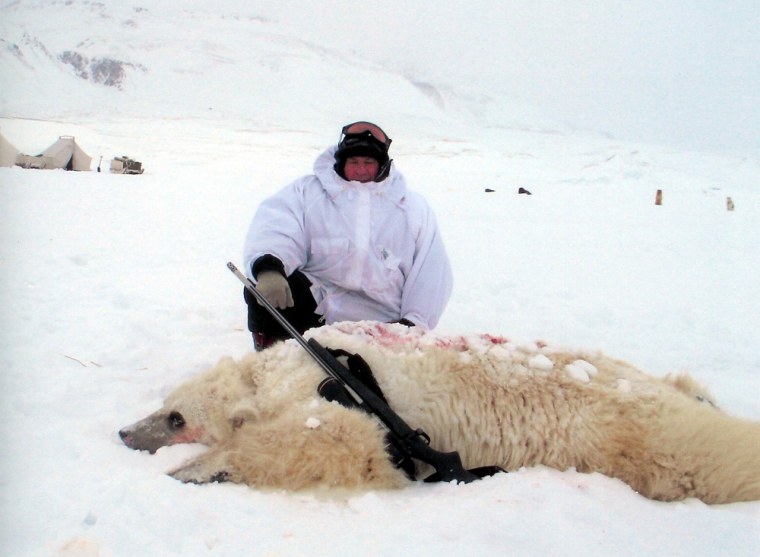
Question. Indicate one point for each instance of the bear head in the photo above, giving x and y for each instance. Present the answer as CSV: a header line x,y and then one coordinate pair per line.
x,y
206,409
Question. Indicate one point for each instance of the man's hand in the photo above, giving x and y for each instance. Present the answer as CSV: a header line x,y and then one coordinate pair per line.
x,y
274,287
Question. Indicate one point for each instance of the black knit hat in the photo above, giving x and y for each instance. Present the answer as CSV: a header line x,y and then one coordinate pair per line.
x,y
365,143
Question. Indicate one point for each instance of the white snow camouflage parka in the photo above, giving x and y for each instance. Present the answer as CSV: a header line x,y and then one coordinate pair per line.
x,y
371,250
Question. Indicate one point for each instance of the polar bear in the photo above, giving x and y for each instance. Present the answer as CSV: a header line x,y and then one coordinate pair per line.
x,y
494,401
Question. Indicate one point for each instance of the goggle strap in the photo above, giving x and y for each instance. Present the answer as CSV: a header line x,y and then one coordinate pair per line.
x,y
382,174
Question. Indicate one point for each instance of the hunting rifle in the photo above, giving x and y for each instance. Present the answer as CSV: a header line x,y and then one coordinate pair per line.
x,y
413,442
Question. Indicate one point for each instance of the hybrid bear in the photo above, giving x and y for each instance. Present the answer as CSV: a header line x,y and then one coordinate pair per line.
x,y
494,401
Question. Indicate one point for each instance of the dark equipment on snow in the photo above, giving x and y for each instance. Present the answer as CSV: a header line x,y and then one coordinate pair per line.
x,y
412,443
125,165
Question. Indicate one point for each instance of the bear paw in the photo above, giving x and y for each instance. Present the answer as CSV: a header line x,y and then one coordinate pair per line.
x,y
196,473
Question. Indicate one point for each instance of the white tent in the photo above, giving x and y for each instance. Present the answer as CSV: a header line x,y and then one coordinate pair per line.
x,y
8,152
64,153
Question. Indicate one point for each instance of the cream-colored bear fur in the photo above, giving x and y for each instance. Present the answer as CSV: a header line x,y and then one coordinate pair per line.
x,y
493,401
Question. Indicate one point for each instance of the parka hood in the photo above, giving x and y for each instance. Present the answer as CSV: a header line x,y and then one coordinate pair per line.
x,y
393,187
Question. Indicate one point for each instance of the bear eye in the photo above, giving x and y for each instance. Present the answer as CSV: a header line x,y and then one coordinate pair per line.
x,y
176,421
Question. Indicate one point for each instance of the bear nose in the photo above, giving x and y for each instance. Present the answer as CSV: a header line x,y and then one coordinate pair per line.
x,y
126,437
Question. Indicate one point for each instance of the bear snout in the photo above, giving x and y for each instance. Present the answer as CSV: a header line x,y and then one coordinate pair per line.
x,y
135,441
150,434
128,439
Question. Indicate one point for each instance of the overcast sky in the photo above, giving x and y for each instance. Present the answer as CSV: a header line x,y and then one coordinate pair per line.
x,y
685,72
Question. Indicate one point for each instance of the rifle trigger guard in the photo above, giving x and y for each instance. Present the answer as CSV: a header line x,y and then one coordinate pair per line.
x,y
420,433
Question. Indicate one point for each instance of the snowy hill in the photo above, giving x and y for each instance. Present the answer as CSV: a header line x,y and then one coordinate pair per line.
x,y
171,61
114,288
669,74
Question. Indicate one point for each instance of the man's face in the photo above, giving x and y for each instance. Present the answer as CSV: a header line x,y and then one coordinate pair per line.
x,y
361,169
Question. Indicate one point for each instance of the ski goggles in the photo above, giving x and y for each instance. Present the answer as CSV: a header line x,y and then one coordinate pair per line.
x,y
364,129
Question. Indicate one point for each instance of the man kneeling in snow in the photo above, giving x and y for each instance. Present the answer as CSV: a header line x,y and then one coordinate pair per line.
x,y
347,243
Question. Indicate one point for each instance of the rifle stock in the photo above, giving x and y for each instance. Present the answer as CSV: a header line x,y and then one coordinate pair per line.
x,y
413,441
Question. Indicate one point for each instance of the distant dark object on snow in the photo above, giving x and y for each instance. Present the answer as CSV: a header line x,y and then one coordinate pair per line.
x,y
489,190
523,190
125,165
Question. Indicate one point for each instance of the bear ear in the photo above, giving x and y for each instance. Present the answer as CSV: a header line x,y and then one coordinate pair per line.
x,y
243,411
686,384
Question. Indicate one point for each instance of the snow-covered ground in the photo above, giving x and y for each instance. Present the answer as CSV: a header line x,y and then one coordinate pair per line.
x,y
114,288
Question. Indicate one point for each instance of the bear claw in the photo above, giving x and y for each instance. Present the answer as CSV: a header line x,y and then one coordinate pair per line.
x,y
220,477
